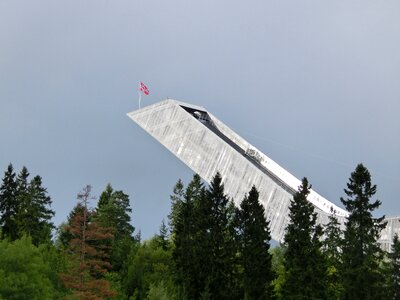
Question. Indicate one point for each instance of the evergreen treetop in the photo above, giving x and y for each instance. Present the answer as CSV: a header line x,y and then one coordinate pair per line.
x,y
254,236
361,252
8,205
305,267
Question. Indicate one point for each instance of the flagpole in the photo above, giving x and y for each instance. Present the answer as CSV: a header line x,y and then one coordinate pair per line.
x,y
140,96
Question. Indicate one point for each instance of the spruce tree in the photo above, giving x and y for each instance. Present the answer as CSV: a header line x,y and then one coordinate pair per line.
x,y
8,205
177,199
361,274
25,207
305,267
254,237
162,236
189,240
35,213
223,261
113,212
23,200
332,249
394,269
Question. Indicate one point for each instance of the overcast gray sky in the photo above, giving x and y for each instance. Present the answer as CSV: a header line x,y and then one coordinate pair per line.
x,y
315,85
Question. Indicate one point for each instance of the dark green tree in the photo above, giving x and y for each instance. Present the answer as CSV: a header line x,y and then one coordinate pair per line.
x,y
332,245
177,198
255,237
361,274
25,207
35,214
394,270
190,237
162,236
223,279
113,212
8,205
305,266
23,200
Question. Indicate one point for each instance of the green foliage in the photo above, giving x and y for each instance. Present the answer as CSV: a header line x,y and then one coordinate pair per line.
x,y
113,212
57,262
254,238
305,268
361,253
162,237
149,266
394,270
8,205
278,268
331,248
177,198
158,292
191,253
24,207
35,214
205,252
223,278
24,271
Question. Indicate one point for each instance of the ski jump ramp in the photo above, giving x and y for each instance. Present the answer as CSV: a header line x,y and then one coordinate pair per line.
x,y
208,146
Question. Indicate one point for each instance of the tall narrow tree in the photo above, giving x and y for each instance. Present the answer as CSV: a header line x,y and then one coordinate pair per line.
x,y
254,237
394,270
361,252
8,205
23,200
332,249
177,198
223,279
304,263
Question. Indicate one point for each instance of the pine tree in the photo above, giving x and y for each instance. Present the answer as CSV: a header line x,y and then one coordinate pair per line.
x,y
254,236
304,263
8,205
361,253
332,245
87,257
